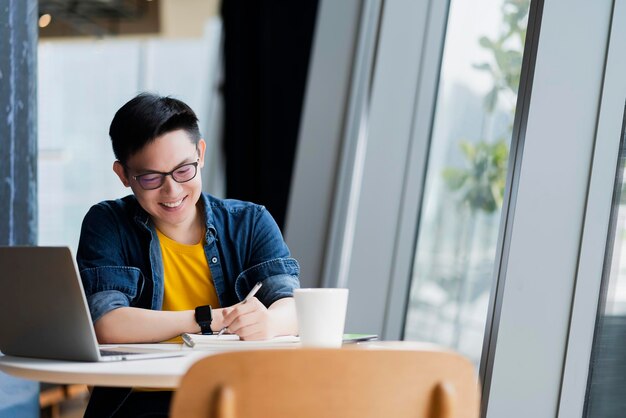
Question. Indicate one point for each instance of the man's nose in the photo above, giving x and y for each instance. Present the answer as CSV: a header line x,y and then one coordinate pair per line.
x,y
170,185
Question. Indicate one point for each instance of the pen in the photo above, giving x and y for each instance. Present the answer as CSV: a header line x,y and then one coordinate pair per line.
x,y
250,295
187,339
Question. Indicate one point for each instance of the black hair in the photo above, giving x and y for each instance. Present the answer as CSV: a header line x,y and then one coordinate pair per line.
x,y
146,117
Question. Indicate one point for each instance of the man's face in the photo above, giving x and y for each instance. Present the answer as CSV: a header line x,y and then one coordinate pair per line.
x,y
173,204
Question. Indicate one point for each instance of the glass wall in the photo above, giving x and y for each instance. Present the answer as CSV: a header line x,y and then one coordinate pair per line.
x,y
607,372
82,83
467,168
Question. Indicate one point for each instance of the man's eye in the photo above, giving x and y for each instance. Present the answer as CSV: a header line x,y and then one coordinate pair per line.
x,y
183,170
151,179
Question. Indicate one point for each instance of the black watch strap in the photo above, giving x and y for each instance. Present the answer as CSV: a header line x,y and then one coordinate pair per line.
x,y
204,317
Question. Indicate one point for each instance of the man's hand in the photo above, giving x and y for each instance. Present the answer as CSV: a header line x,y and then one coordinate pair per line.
x,y
250,320
253,321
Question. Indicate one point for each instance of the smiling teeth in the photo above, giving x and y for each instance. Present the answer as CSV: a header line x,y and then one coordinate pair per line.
x,y
173,204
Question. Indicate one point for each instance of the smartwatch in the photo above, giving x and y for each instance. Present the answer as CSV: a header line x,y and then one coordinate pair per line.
x,y
204,318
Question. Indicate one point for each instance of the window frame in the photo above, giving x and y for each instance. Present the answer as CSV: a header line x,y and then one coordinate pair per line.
x,y
525,371
596,222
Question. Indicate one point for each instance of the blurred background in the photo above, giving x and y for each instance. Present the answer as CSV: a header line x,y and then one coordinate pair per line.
x,y
231,62
242,67
379,134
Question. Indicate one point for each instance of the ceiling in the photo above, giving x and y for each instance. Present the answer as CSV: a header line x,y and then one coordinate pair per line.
x,y
75,18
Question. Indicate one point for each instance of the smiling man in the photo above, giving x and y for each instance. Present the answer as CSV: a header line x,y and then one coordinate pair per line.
x,y
169,258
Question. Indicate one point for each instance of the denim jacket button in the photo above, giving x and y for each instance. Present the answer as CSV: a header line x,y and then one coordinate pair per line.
x,y
214,260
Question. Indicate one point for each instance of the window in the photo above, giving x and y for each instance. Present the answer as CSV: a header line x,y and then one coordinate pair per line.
x,y
606,385
466,174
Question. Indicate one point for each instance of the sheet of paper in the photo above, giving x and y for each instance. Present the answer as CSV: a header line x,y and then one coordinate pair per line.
x,y
357,338
231,342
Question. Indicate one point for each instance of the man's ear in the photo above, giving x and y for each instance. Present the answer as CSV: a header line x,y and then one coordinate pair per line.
x,y
121,173
201,147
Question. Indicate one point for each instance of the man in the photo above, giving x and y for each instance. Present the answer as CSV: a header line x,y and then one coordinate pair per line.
x,y
170,259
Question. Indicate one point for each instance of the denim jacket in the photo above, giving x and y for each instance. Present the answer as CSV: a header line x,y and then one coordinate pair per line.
x,y
120,263
119,256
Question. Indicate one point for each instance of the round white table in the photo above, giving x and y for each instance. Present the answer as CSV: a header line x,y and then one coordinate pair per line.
x,y
154,373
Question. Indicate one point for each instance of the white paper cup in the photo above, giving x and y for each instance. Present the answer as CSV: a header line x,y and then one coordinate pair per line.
x,y
321,316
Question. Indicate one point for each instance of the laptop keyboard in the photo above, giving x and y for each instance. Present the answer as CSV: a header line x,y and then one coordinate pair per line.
x,y
116,353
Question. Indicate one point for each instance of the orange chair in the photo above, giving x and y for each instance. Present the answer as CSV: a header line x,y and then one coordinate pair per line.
x,y
329,383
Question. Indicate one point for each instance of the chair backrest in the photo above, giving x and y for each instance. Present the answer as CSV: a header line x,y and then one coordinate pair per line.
x,y
329,383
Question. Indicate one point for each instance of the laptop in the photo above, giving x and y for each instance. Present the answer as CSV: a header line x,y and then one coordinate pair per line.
x,y
44,313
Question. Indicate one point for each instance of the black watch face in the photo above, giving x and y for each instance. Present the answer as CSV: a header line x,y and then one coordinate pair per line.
x,y
203,314
204,318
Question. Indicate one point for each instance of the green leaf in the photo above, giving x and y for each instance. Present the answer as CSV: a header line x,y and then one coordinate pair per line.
x,y
482,182
468,149
482,67
485,42
454,178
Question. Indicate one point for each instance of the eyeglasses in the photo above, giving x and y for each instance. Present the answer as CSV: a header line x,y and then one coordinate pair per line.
x,y
154,180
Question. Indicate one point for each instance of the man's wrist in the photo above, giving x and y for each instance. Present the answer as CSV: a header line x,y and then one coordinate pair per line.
x,y
218,319
204,318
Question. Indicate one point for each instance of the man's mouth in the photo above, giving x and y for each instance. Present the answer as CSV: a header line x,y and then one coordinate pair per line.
x,y
173,204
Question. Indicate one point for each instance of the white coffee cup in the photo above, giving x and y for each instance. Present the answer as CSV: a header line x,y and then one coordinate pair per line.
x,y
321,316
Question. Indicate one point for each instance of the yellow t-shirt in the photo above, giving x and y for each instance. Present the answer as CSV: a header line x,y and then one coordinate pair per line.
x,y
187,279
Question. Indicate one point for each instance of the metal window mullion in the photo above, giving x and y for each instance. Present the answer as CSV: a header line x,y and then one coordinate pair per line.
x,y
597,220
407,229
542,240
508,208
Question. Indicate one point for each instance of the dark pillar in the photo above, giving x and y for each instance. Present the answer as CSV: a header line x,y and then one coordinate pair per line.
x,y
18,122
267,44
18,161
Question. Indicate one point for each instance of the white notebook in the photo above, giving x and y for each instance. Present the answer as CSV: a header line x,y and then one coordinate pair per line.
x,y
232,342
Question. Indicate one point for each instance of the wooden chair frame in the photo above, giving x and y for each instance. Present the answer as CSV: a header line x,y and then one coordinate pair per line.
x,y
329,383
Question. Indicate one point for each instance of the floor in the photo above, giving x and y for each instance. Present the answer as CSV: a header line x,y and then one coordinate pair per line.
x,y
73,408
63,401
